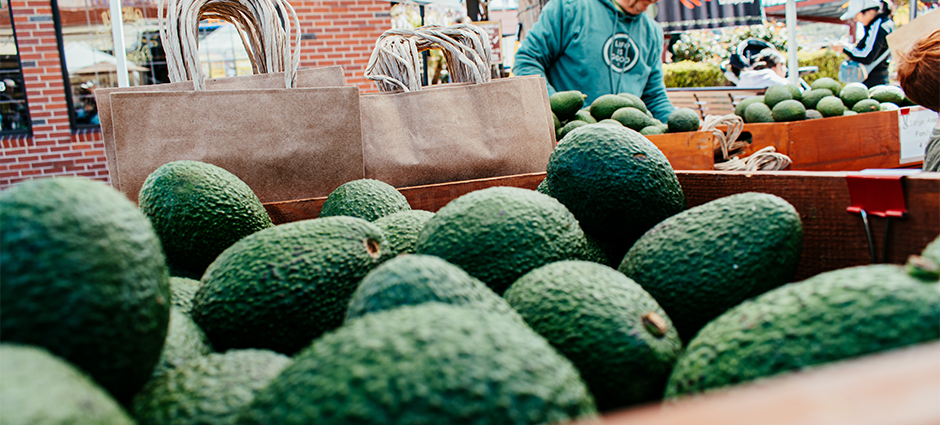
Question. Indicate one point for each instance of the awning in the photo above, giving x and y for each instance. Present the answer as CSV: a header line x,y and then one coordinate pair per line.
x,y
685,15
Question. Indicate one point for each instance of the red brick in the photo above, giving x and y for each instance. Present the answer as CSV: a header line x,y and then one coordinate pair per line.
x,y
8,174
27,173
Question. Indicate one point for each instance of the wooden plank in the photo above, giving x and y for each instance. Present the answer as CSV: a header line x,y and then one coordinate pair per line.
x,y
832,237
898,387
715,103
849,143
767,134
693,150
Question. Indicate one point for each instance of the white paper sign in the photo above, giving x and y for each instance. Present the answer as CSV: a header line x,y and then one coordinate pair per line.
x,y
915,125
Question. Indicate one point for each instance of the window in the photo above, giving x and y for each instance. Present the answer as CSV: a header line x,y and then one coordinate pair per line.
x,y
13,108
88,46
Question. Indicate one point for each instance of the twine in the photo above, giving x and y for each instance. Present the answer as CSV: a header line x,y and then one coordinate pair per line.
x,y
766,159
264,26
396,61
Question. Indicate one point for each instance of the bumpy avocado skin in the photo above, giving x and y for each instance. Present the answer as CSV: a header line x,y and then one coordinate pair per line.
x,y
184,342
831,316
427,364
417,279
83,276
182,292
208,390
500,233
282,287
615,182
402,229
703,261
600,319
198,210
367,199
39,388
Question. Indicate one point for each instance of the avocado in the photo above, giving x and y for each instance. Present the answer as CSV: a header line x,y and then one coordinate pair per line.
x,y
683,119
703,261
198,210
637,101
208,390
827,83
888,106
632,118
570,126
757,113
565,103
652,130
401,229
795,92
500,233
611,122
830,107
811,98
615,182
743,104
775,95
584,115
426,364
788,110
84,277
367,199
182,291
849,113
604,106
558,123
543,188
889,94
812,114
282,287
417,279
853,93
867,105
184,341
832,316
932,251
606,324
39,388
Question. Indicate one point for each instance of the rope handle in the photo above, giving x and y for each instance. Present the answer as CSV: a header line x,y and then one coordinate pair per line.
x,y
396,61
264,26
766,159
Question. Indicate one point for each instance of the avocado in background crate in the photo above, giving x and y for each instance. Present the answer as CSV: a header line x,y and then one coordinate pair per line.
x,y
683,119
367,199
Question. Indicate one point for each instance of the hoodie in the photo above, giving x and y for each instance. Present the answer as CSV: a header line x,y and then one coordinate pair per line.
x,y
595,47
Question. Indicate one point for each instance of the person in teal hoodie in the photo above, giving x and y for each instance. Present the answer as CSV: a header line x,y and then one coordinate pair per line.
x,y
598,47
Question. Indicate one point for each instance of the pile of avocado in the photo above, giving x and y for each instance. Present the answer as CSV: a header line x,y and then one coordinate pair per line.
x,y
599,291
625,109
826,98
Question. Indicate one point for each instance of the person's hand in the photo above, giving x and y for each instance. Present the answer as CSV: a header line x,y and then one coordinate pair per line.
x,y
836,47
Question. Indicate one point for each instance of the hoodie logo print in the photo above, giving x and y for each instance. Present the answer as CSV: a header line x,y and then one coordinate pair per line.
x,y
621,53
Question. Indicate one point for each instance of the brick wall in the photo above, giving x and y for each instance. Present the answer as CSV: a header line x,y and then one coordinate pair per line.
x,y
334,33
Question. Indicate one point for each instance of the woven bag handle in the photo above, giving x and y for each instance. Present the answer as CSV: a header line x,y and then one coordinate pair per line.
x,y
396,60
264,26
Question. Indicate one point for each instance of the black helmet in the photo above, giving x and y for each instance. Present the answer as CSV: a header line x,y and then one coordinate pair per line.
x,y
745,52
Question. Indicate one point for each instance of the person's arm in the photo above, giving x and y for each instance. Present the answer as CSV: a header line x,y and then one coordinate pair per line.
x,y
542,44
654,94
870,47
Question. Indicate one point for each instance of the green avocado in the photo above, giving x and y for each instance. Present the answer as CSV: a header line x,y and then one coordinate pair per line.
x,y
604,106
703,261
637,101
830,107
280,288
367,199
402,229
565,104
39,388
788,110
607,325
776,94
208,390
866,105
84,277
811,98
743,104
853,93
198,210
417,279
427,364
832,316
584,115
615,182
632,118
184,341
757,113
827,83
182,292
500,233
682,120
571,125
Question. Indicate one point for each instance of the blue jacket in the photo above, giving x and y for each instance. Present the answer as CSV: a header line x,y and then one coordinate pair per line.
x,y
596,48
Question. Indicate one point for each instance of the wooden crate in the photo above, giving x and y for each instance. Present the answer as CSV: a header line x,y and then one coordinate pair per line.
x,y
710,100
832,237
693,150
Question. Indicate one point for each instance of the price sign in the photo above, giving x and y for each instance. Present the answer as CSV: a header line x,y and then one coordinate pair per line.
x,y
495,32
915,125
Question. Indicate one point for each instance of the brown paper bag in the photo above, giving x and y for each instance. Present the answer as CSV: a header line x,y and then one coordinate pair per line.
x,y
315,77
284,143
457,132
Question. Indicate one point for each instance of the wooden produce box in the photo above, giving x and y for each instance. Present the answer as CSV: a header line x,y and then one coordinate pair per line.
x,y
693,150
832,237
